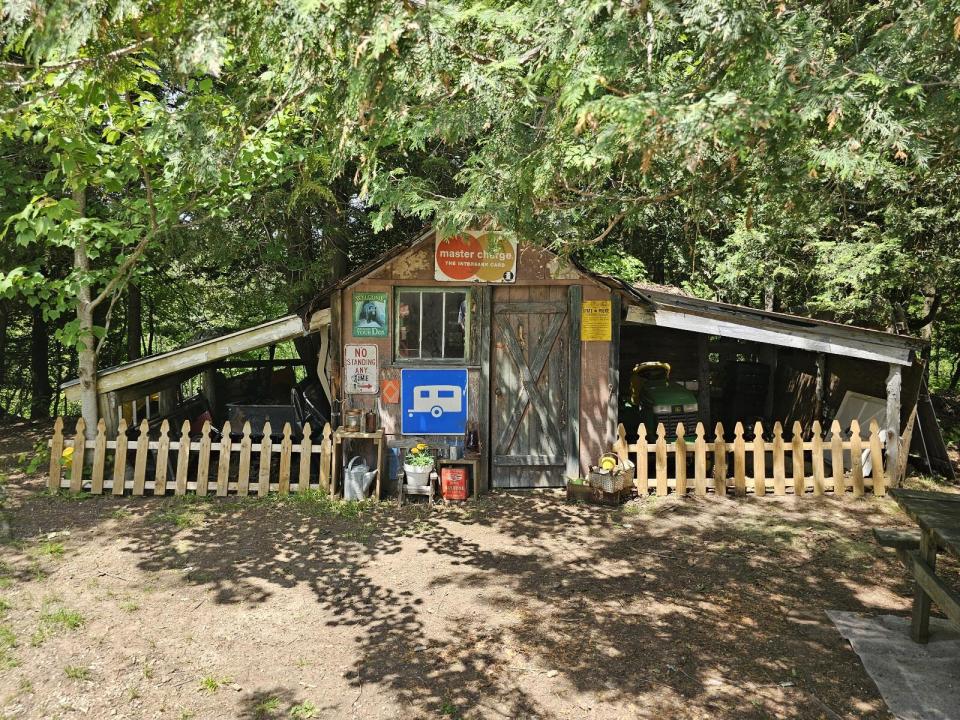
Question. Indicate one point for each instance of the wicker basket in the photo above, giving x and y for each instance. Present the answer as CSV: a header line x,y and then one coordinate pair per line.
x,y
607,481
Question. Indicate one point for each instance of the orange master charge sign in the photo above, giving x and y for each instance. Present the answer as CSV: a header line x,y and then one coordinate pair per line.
x,y
476,256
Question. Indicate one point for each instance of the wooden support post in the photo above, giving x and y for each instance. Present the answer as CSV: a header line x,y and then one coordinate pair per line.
x,y
109,409
703,378
613,371
574,301
209,386
819,390
483,483
771,355
894,386
920,619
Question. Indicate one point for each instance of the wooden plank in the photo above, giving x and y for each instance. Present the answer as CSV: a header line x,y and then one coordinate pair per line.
x,y
816,458
898,539
99,458
680,460
574,298
924,569
856,461
620,446
642,462
77,461
485,299
140,459
719,461
56,457
739,461
661,458
120,458
285,450
753,331
183,459
796,455
306,459
326,458
195,355
266,445
223,462
528,460
243,471
836,458
163,459
936,590
779,470
380,468
876,460
203,459
531,307
759,460
700,461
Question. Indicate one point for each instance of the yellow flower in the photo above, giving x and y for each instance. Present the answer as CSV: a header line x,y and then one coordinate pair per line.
x,y
415,451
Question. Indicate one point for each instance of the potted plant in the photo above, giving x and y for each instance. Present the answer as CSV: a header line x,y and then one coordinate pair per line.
x,y
418,464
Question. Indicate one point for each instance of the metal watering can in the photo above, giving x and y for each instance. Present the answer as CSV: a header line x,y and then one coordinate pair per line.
x,y
357,479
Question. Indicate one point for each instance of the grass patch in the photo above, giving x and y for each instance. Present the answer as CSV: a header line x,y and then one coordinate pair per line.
x,y
179,517
56,622
319,503
266,708
129,606
75,672
51,549
211,683
304,711
8,641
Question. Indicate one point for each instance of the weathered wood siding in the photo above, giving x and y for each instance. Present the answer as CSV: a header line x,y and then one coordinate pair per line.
x,y
536,267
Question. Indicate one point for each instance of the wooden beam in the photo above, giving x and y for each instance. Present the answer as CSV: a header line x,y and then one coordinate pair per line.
x,y
258,363
318,320
799,338
894,386
485,297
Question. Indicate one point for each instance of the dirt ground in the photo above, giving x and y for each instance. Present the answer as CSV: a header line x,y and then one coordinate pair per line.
x,y
516,606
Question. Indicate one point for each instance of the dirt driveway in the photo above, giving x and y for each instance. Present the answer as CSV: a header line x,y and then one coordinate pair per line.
x,y
518,606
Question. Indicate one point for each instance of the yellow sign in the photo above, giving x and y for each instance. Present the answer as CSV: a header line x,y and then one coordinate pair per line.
x,y
595,320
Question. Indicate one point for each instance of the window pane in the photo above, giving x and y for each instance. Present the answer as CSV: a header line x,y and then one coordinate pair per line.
x,y
408,324
431,341
455,325
431,324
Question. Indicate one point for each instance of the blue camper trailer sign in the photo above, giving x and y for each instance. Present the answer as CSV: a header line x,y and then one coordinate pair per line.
x,y
433,402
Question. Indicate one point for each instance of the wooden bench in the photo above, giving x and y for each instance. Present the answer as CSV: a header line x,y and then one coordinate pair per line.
x,y
897,539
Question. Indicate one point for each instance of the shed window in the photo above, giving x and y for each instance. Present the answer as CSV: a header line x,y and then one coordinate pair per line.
x,y
432,323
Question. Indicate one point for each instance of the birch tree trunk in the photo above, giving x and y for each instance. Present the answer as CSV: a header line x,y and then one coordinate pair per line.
x,y
87,355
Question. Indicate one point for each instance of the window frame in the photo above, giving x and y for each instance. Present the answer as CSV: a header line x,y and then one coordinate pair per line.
x,y
398,359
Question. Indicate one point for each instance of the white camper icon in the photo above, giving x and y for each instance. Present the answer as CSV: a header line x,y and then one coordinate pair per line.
x,y
436,399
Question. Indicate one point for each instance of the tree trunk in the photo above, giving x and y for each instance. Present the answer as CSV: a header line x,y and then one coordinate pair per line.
x,y
87,355
134,322
40,391
4,315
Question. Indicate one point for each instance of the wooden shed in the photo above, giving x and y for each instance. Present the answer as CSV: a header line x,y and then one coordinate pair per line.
x,y
546,349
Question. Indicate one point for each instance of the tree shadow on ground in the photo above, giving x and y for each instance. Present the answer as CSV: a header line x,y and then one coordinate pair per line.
x,y
686,608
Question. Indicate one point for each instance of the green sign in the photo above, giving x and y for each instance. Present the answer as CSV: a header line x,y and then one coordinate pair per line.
x,y
370,314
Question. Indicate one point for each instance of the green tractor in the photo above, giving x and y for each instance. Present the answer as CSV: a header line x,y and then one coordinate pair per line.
x,y
655,399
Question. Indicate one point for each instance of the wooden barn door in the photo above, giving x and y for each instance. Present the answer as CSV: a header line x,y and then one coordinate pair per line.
x,y
534,385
